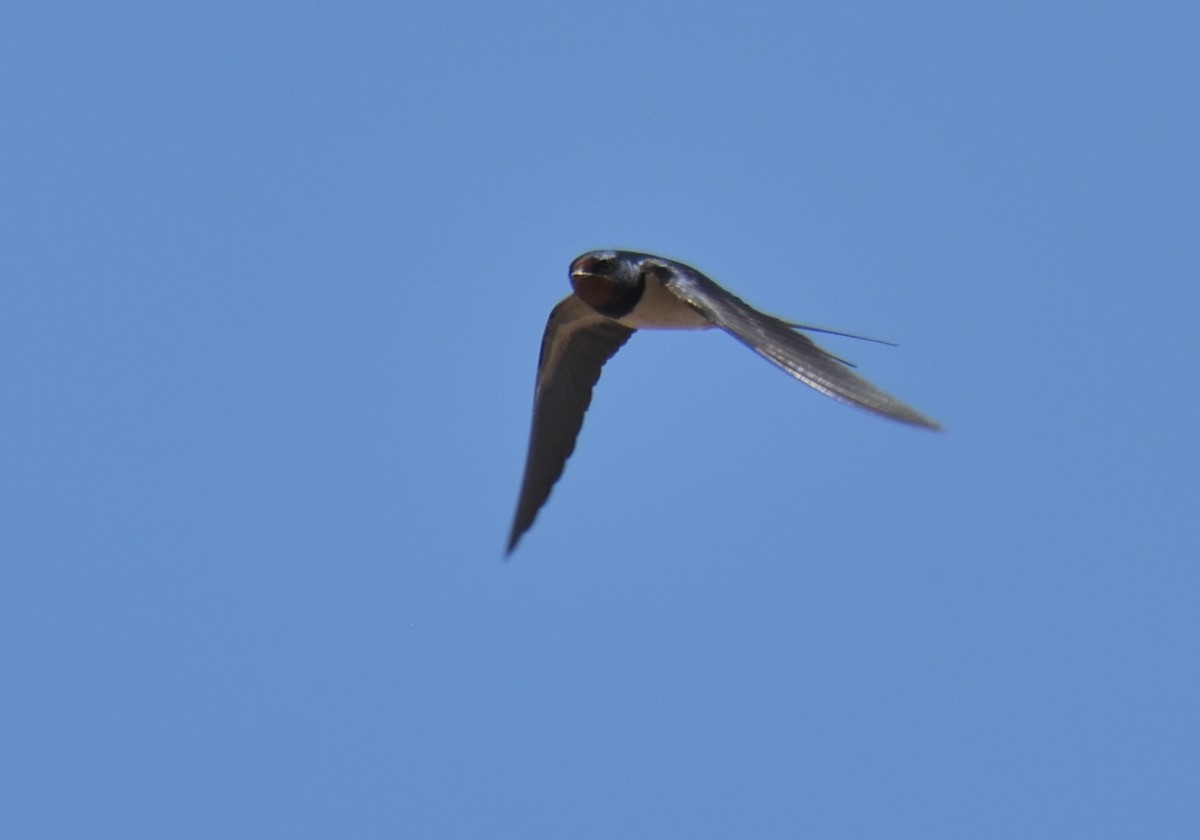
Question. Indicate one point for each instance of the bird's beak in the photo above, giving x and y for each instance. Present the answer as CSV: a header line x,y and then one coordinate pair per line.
x,y
582,267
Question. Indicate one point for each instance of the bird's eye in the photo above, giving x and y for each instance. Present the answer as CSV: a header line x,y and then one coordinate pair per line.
x,y
604,265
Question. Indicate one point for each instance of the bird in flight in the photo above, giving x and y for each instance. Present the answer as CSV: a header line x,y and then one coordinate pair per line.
x,y
619,292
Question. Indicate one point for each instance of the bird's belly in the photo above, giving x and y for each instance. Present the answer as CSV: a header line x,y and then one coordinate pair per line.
x,y
659,309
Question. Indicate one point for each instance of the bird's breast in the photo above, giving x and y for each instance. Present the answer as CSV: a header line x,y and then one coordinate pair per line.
x,y
659,309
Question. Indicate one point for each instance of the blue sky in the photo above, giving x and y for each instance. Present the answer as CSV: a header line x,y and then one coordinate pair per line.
x,y
274,279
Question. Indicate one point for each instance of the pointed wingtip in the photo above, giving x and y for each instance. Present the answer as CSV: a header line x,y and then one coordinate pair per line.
x,y
910,417
513,539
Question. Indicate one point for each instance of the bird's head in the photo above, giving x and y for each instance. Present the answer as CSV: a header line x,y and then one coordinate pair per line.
x,y
611,282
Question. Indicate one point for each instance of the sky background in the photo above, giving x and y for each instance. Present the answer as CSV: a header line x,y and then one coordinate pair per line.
x,y
274,278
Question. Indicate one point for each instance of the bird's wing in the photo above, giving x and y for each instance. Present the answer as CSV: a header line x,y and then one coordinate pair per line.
x,y
576,344
778,342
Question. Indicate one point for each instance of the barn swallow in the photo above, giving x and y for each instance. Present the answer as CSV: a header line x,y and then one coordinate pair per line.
x,y
619,292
